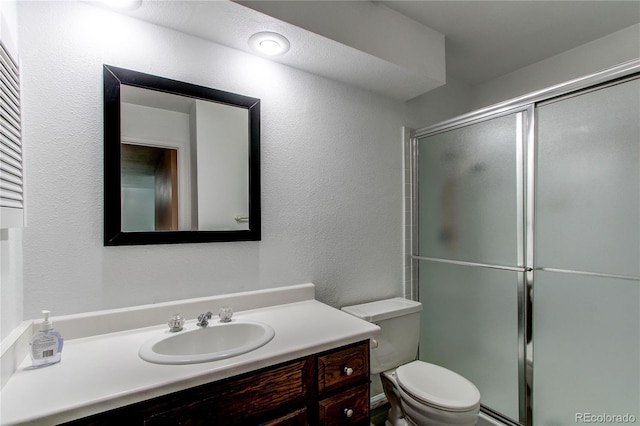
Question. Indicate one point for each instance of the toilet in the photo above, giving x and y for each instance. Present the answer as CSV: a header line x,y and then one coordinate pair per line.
x,y
419,393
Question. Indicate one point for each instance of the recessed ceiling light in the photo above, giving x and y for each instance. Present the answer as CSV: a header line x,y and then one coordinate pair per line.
x,y
268,43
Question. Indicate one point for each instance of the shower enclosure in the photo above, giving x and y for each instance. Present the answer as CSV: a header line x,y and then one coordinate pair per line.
x,y
526,251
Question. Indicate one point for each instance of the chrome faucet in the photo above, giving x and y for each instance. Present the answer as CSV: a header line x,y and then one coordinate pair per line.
x,y
203,319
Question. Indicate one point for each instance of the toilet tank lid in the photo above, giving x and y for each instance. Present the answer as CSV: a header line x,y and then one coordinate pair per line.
x,y
384,309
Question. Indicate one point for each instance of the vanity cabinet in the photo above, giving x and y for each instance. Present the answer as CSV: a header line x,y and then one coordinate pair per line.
x,y
328,388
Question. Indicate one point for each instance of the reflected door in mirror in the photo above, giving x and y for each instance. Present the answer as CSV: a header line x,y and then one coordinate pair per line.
x,y
149,188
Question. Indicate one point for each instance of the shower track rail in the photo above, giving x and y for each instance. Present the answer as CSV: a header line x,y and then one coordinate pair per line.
x,y
464,263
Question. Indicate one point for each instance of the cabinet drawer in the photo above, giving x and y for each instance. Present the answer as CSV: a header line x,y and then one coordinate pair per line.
x,y
350,407
342,368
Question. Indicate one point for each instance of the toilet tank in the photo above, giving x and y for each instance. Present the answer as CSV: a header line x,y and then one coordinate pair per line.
x,y
399,322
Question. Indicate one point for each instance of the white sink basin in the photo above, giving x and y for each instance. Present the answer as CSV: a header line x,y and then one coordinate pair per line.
x,y
217,341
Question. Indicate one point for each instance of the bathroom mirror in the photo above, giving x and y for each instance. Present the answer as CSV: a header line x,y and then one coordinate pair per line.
x,y
181,162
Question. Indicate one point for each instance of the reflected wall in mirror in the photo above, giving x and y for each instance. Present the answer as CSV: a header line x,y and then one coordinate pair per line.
x,y
182,162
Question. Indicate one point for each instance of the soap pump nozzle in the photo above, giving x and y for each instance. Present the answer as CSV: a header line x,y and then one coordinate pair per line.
x,y
46,324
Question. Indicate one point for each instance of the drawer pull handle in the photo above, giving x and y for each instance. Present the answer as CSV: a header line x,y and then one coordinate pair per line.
x,y
348,371
348,412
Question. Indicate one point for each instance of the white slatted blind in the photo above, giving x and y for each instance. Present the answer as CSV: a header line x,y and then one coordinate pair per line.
x,y
11,171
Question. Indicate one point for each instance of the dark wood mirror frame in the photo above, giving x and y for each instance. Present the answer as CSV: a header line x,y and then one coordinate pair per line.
x,y
113,77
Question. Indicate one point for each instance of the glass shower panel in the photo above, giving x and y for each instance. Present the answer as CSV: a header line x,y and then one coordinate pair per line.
x,y
588,182
468,190
586,349
469,325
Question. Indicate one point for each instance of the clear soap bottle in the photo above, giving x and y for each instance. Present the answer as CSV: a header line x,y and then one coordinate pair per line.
x,y
46,345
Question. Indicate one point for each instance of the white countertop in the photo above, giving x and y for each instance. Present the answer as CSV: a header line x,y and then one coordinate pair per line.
x,y
103,372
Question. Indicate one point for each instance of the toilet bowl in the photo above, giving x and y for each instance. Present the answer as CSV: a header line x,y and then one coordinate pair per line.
x,y
418,392
433,395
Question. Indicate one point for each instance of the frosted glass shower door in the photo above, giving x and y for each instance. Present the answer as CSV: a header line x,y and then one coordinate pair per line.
x,y
468,188
586,349
470,254
586,325
470,326
588,182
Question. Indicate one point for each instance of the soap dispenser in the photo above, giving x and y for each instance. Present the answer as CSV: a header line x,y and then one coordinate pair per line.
x,y
46,346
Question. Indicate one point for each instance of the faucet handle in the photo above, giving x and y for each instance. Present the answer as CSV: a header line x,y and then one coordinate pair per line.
x,y
176,323
203,319
225,313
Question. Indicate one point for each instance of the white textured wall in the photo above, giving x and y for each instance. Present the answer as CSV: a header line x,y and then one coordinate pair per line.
x,y
331,173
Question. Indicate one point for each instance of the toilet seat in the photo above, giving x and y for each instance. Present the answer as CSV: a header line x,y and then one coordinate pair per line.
x,y
438,387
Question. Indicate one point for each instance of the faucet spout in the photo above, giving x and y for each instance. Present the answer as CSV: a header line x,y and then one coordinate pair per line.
x,y
203,319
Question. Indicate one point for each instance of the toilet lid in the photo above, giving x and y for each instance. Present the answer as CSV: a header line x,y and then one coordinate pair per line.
x,y
435,385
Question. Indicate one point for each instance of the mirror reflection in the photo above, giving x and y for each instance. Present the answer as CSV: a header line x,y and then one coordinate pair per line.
x,y
184,163
187,161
